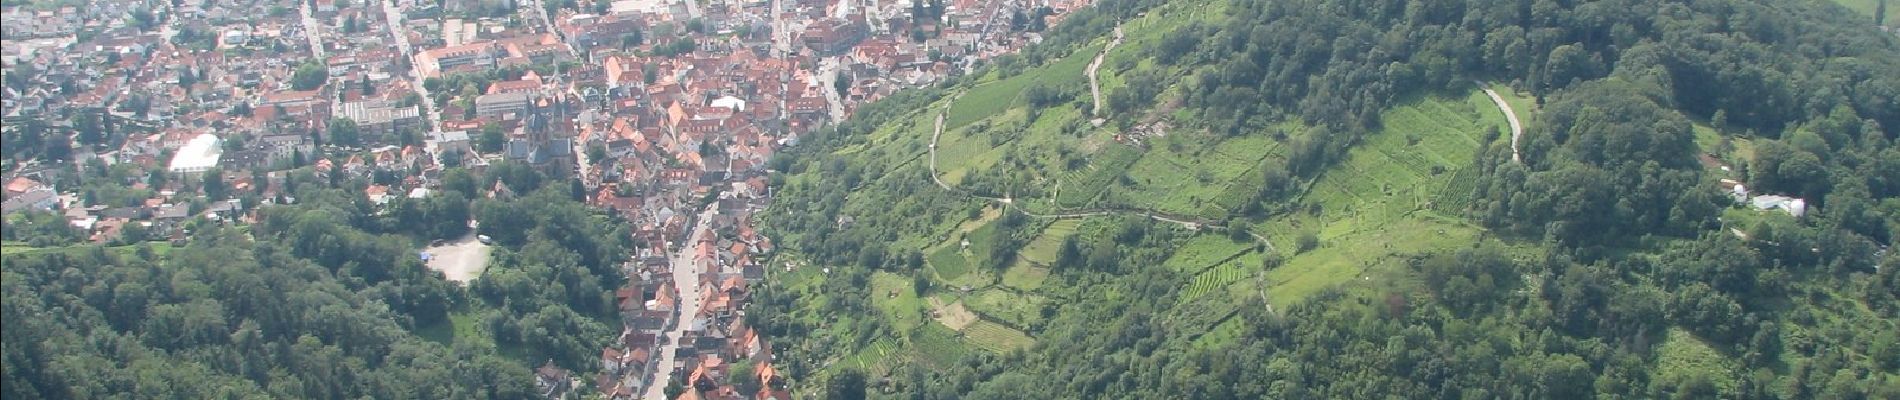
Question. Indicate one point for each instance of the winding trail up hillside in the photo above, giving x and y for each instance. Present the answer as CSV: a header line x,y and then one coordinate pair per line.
x,y
1517,129
1095,86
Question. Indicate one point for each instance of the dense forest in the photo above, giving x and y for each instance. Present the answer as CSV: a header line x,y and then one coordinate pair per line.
x,y
1634,250
322,298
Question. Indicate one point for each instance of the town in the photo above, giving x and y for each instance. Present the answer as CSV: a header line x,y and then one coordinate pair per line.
x,y
656,107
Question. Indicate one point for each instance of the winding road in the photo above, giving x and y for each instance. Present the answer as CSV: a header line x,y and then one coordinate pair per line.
x,y
1517,129
1095,87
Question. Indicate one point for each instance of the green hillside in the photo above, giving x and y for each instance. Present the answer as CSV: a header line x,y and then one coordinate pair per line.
x,y
1288,200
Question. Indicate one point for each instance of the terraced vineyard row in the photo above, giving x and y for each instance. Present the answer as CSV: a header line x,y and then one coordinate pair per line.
x,y
937,345
1081,187
1458,192
1215,278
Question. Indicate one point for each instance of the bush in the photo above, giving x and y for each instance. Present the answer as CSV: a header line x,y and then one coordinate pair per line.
x,y
1307,241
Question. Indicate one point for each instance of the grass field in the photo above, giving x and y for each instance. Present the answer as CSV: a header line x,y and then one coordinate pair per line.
x,y
894,295
1179,177
953,314
1025,276
1683,355
948,263
1204,251
1017,309
1867,8
996,338
14,248
462,327
1375,201
992,98
946,259
1033,261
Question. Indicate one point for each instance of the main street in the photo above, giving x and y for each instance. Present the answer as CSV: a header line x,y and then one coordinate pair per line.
x,y
686,282
311,30
397,29
781,32
827,78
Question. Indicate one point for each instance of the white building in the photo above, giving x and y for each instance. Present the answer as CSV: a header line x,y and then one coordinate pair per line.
x,y
1793,206
198,155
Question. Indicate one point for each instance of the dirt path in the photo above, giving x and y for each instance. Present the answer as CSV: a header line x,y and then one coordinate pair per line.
x,y
460,261
1517,129
1095,86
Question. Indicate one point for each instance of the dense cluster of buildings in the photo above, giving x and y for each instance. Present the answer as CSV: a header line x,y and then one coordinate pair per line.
x,y
655,105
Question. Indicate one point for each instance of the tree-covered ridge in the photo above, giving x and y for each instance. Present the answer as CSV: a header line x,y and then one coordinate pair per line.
x,y
1610,262
325,298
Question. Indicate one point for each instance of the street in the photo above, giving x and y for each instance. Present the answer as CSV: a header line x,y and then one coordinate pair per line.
x,y
827,77
311,30
415,72
686,281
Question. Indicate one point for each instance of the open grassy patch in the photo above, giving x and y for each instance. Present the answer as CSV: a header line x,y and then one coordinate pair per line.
x,y
1043,249
1013,308
1178,176
948,263
22,249
1025,276
1205,251
995,338
897,298
952,314
1868,7
1382,202
994,97
1683,356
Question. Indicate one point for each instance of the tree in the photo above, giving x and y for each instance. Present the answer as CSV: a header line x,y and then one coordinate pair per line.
x,y
745,378
451,159
673,389
491,140
460,180
309,76
631,39
343,132
90,126
846,385
58,148
596,153
1237,231
1306,241
213,185
1880,13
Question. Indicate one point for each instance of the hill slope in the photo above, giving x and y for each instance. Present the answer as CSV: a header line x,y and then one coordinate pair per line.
x,y
1283,199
